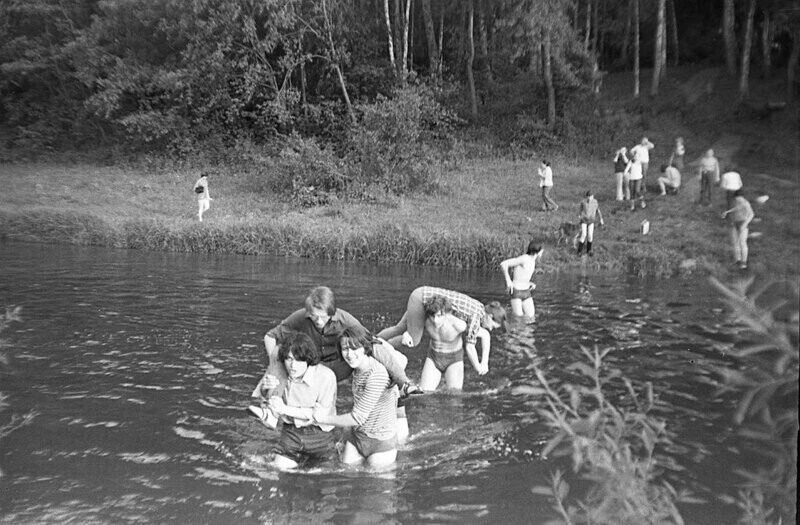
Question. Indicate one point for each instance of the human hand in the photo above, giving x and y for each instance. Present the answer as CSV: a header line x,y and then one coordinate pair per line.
x,y
723,214
483,369
510,289
269,382
407,340
602,223
277,405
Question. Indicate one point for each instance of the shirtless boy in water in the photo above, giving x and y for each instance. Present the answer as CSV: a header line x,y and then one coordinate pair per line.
x,y
446,352
520,286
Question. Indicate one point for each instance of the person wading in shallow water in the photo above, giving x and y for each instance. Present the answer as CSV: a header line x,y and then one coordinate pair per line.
x,y
520,286
480,319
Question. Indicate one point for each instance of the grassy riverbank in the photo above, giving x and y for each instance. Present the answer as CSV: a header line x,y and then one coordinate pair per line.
x,y
486,209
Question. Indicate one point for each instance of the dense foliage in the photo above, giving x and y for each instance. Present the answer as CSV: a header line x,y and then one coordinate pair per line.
x,y
189,77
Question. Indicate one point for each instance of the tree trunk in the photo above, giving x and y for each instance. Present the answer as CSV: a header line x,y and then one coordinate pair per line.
x,y
335,63
766,44
744,74
673,25
626,36
470,58
486,69
728,21
398,38
303,87
587,30
636,49
441,42
404,56
791,66
387,19
430,38
411,39
657,53
547,74
595,27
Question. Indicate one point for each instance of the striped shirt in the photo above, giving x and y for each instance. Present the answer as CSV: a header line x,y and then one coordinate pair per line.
x,y
374,401
466,308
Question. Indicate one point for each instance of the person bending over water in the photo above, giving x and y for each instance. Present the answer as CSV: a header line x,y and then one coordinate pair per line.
x,y
373,418
521,286
310,388
446,352
480,321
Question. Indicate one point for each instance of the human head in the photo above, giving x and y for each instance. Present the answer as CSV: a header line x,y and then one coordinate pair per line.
x,y
709,153
679,140
533,248
355,343
644,140
438,304
495,316
545,163
303,353
320,306
738,193
622,151
589,194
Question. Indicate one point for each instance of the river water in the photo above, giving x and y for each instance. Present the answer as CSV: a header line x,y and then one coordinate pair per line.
x,y
139,367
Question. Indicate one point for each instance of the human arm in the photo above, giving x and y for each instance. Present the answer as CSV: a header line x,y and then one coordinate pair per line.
x,y
481,365
505,266
394,361
600,216
363,404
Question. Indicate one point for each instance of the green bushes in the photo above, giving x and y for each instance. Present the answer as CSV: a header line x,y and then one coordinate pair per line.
x,y
612,447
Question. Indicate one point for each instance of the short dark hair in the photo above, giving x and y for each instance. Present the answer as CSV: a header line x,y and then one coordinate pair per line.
x,y
356,337
302,347
321,298
437,304
533,248
589,193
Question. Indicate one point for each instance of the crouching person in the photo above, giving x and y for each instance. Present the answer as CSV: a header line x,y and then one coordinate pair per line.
x,y
373,417
310,390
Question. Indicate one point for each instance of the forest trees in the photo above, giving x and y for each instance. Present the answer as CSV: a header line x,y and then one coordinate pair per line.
x,y
186,74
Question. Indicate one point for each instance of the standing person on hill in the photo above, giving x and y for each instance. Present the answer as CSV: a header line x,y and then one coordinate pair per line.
x,y
520,286
641,152
678,153
203,197
635,180
546,183
480,319
620,164
740,217
731,182
709,175
587,215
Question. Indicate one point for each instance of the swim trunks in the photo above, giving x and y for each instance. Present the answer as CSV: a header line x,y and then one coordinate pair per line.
x,y
297,443
442,360
522,294
368,446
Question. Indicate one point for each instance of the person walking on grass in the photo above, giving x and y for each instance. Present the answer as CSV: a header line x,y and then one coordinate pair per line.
x,y
709,175
203,197
641,152
518,272
546,183
620,164
740,216
587,215
635,181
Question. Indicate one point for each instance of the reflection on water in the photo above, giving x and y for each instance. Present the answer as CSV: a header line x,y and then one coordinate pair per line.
x,y
140,366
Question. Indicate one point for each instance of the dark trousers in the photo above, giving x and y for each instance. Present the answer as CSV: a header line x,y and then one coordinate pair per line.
x,y
549,203
705,187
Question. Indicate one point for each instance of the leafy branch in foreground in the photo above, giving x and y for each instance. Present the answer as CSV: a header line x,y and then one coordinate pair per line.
x,y
766,380
611,448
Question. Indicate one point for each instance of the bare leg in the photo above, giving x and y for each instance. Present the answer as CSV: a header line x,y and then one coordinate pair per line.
x,y
454,376
350,454
528,307
382,459
516,307
430,376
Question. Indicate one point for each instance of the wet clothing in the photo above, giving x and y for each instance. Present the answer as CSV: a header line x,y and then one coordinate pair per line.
x,y
374,402
368,446
299,443
522,294
315,390
443,360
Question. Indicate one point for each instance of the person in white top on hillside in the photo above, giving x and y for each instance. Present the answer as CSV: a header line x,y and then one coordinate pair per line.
x,y
203,197
546,183
641,152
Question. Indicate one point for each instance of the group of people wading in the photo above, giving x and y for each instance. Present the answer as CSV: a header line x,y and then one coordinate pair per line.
x,y
319,345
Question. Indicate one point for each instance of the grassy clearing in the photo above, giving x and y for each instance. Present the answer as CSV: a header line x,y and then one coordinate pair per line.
x,y
486,210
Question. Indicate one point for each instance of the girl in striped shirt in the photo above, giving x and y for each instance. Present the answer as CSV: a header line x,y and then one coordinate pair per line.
x,y
373,416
